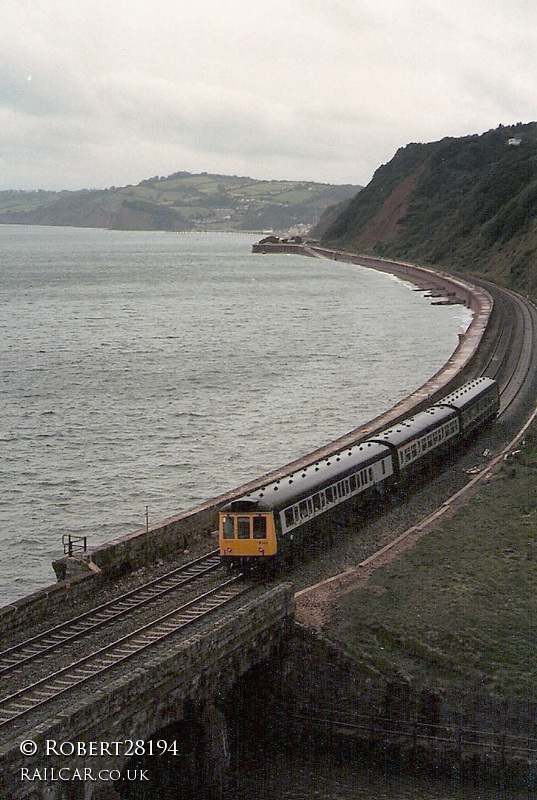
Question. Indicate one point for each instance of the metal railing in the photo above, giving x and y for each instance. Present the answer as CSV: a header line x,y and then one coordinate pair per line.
x,y
74,544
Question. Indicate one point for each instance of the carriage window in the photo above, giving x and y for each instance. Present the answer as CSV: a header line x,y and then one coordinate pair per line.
x,y
243,527
352,481
289,516
304,509
317,502
228,528
329,493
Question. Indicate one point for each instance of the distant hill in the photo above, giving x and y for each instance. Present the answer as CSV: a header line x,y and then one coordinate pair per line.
x,y
180,202
468,204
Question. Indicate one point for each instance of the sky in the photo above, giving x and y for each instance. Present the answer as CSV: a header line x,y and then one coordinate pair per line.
x,y
100,93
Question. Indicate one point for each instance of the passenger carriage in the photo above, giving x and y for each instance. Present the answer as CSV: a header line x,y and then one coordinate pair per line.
x,y
415,440
265,523
476,402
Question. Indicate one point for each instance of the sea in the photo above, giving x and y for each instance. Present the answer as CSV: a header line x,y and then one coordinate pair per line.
x,y
145,372
153,371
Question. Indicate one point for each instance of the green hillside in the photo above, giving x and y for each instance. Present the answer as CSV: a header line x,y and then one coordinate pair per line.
x,y
468,204
180,202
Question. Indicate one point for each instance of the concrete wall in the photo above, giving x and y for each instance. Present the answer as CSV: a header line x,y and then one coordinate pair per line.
x,y
287,247
43,604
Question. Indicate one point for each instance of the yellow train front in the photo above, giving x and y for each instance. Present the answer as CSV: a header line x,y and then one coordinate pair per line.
x,y
246,532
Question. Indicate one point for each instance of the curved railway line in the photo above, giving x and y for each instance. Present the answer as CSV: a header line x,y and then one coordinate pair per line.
x,y
46,666
512,360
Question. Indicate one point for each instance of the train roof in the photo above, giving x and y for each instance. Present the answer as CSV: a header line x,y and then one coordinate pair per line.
x,y
419,424
286,489
465,395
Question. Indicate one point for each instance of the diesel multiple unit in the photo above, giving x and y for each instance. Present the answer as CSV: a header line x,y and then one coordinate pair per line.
x,y
267,522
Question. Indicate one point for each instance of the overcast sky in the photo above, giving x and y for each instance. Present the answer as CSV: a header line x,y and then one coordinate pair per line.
x,y
95,93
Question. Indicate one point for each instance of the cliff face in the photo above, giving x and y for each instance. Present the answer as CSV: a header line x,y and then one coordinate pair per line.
x,y
468,204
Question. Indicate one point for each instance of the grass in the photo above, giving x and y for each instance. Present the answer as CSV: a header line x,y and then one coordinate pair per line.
x,y
459,610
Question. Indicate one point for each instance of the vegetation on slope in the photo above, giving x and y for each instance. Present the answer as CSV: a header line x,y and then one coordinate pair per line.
x,y
180,202
469,204
458,610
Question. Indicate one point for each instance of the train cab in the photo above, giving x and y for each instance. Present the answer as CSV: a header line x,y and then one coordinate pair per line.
x,y
246,531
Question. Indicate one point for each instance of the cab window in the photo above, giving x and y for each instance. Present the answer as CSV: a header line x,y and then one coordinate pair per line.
x,y
243,527
228,528
260,528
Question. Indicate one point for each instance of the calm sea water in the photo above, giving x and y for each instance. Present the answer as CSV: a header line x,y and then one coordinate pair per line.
x,y
150,369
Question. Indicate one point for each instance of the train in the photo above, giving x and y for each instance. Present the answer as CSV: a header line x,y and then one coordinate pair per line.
x,y
268,523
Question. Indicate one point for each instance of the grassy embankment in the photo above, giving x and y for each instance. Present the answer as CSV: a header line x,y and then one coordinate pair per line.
x,y
459,609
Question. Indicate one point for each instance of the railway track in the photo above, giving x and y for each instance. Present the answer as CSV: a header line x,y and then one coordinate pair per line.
x,y
103,660
29,670
512,359
82,625
524,364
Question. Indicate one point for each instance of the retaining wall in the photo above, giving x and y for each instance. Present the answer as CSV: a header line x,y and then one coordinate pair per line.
x,y
327,691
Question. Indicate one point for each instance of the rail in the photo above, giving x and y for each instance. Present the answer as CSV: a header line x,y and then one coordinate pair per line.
x,y
106,658
74,544
83,624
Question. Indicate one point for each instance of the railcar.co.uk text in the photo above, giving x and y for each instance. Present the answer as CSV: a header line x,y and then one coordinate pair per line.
x,y
86,774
